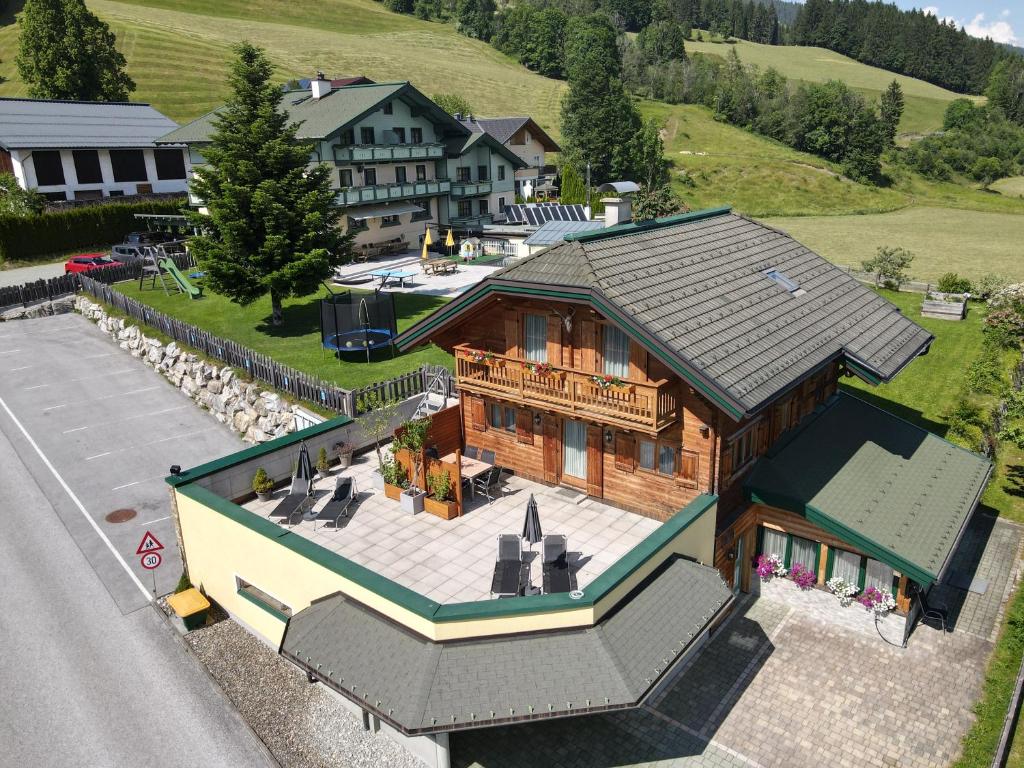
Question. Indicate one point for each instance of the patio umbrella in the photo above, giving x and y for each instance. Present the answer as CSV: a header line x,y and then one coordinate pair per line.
x,y
426,241
450,242
531,525
304,468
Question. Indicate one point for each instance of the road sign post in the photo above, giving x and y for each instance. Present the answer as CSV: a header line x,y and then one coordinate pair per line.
x,y
149,549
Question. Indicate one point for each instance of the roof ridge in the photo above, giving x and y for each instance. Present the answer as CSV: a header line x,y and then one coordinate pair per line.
x,y
77,101
635,228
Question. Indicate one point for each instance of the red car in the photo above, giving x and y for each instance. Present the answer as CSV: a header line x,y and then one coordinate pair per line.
x,y
87,262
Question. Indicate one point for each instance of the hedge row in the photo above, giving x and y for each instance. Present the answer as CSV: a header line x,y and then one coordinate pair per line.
x,y
24,238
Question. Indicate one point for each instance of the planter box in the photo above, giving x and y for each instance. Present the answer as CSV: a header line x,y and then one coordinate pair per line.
x,y
377,479
412,502
393,492
446,510
944,310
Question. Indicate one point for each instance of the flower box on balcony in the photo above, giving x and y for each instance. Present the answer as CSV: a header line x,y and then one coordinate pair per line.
x,y
544,370
612,384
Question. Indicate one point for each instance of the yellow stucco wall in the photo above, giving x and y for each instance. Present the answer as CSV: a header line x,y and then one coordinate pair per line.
x,y
218,549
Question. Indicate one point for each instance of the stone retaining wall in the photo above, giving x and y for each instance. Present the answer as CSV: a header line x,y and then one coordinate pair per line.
x,y
59,306
254,413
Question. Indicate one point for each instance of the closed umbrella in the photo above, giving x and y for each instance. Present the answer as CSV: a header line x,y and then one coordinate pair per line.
x,y
426,241
450,242
531,525
304,469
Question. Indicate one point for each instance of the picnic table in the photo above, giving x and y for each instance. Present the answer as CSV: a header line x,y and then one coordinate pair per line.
x,y
442,266
392,274
469,468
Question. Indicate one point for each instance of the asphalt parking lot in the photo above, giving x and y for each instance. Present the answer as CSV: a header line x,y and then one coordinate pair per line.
x,y
99,431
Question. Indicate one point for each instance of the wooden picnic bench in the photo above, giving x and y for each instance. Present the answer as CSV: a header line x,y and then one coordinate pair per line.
x,y
439,266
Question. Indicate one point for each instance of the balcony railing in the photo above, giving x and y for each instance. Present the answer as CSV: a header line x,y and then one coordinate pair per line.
x,y
386,153
472,222
383,192
470,188
634,405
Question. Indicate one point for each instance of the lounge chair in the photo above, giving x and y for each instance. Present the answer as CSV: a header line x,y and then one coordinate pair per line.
x,y
557,576
344,494
487,482
471,452
510,572
296,502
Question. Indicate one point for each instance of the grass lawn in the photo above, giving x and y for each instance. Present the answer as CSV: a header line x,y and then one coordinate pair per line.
x,y
297,342
971,243
925,104
1012,186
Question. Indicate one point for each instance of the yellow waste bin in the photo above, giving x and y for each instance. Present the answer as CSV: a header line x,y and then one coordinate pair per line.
x,y
190,606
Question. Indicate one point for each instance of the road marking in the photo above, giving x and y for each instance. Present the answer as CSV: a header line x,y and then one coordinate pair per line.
x,y
98,455
77,502
127,418
8,351
76,429
126,485
54,407
93,357
111,373
37,386
98,399
158,520
22,368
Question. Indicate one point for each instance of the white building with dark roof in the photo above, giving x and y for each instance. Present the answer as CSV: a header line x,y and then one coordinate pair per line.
x,y
527,140
77,150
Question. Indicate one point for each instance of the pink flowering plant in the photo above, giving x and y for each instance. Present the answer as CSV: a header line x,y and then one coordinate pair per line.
x,y
878,601
802,576
769,565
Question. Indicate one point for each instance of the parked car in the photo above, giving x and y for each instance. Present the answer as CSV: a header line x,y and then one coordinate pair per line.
x,y
87,262
127,254
147,238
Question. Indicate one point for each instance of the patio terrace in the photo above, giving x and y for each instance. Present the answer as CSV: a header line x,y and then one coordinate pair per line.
x,y
451,561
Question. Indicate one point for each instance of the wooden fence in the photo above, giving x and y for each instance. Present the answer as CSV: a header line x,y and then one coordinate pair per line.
x,y
297,384
64,285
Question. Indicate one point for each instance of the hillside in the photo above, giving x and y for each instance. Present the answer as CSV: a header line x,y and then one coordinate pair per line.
x,y
177,51
925,103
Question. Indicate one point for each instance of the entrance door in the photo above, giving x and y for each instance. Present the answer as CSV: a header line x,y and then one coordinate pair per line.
x,y
574,453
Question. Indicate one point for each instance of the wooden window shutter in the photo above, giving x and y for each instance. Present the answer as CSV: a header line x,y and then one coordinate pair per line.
x,y
524,426
761,446
478,414
511,333
554,340
689,465
595,462
637,362
625,452
588,345
726,466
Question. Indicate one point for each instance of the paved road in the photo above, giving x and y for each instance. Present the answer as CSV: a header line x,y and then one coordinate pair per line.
x,y
28,274
86,415
87,679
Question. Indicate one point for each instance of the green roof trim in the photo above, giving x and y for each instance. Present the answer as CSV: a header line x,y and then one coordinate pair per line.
x,y
255,451
283,618
889,488
428,609
643,226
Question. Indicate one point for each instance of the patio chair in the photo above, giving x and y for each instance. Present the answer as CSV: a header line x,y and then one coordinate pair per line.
x,y
557,576
510,572
932,611
487,457
487,482
471,452
296,502
344,494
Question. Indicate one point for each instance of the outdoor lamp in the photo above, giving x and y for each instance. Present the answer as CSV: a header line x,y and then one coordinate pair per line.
x,y
705,430
175,469
536,419
608,436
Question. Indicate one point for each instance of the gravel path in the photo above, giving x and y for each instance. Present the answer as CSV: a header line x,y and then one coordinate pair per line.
x,y
303,725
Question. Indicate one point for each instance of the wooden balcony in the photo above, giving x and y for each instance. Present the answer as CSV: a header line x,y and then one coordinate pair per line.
x,y
649,407
386,153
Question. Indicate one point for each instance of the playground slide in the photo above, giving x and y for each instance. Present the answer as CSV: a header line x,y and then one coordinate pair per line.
x,y
171,268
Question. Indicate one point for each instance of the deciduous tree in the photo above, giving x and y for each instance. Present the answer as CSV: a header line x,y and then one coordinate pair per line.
x,y
453,103
654,202
271,226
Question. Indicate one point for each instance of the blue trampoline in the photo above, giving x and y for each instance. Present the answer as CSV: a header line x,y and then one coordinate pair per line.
x,y
357,324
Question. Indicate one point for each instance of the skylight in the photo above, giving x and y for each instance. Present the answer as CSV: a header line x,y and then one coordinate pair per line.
x,y
785,281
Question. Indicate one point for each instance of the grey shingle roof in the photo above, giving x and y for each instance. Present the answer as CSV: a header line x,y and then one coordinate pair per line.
x,y
551,232
502,128
423,687
856,467
697,284
46,124
319,118
458,145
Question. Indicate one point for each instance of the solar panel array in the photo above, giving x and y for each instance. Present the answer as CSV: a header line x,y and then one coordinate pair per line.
x,y
538,213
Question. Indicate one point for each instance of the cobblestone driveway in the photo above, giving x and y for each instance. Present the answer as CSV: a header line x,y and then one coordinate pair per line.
x,y
780,686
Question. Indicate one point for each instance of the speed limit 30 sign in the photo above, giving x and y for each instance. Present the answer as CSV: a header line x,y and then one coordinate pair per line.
x,y
151,560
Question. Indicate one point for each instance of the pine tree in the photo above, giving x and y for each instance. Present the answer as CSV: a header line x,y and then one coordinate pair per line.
x,y
66,52
573,189
271,225
891,109
1006,88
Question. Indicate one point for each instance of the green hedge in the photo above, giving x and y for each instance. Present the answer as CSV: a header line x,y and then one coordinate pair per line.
x,y
24,238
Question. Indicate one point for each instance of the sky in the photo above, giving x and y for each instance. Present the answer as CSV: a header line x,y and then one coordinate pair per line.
x,y
1002,20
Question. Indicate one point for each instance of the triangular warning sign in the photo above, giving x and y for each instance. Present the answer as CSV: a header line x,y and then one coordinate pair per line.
x,y
149,543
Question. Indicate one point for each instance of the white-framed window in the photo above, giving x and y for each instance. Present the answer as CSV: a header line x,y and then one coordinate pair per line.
x,y
616,352
536,338
503,417
657,456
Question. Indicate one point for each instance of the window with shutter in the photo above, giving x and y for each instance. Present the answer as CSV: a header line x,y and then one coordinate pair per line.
x,y
477,414
524,427
535,338
689,466
616,352
624,451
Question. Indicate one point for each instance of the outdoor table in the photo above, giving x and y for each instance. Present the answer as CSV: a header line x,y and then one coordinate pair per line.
x,y
469,468
392,274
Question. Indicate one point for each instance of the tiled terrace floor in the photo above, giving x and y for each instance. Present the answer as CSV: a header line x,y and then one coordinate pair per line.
x,y
450,284
453,560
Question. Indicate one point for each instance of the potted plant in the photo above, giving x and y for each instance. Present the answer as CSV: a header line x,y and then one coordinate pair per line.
x,y
413,437
323,466
376,418
393,478
262,485
344,452
439,501
606,382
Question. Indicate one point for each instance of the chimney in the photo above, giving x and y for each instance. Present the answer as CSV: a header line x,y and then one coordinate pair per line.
x,y
617,210
320,86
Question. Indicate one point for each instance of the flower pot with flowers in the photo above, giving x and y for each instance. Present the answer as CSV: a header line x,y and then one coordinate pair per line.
x,y
769,565
544,369
878,601
843,589
611,383
803,576
483,357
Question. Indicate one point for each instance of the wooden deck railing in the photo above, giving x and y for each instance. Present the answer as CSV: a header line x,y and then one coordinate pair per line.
x,y
649,406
